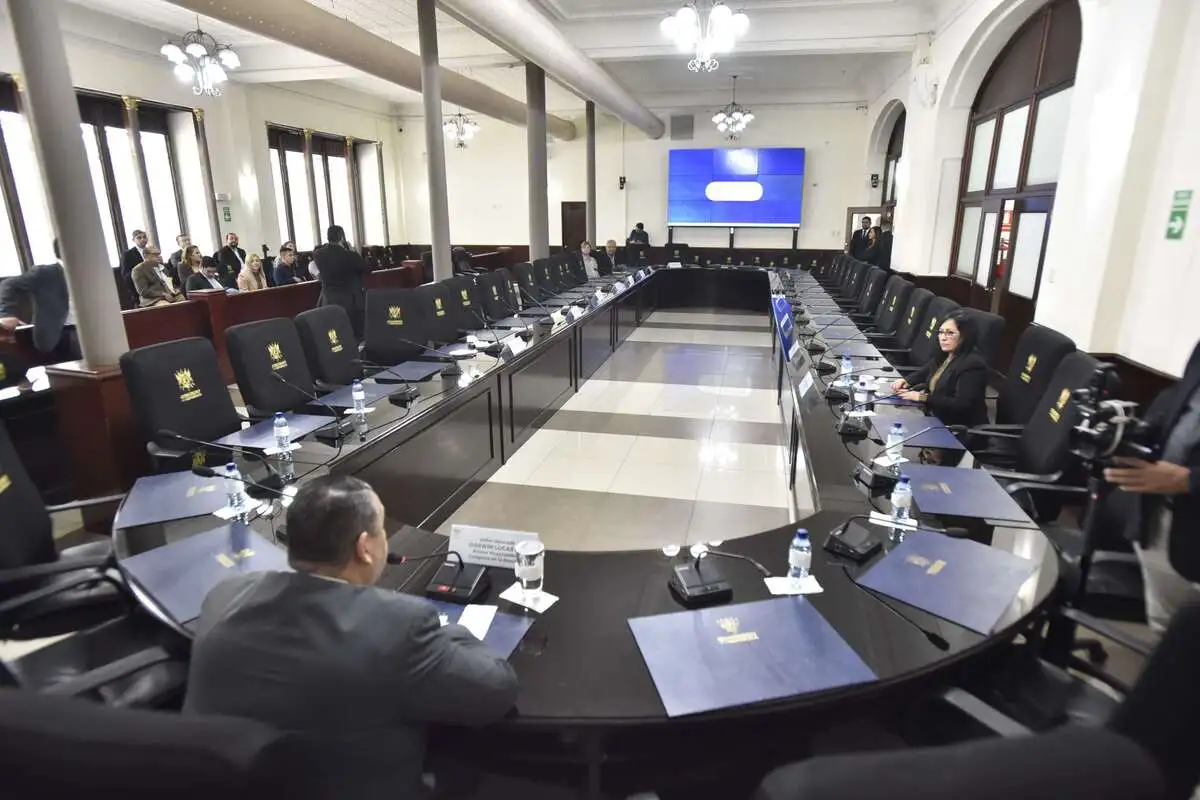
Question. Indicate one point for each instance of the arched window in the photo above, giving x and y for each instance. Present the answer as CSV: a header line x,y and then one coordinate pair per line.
x,y
1011,163
895,152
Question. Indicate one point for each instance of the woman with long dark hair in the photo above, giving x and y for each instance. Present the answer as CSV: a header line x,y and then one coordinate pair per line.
x,y
953,385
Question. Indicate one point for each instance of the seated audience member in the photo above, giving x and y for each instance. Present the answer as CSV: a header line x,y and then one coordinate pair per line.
x,y
321,652
953,385
189,265
251,278
44,288
285,267
181,241
153,285
207,275
589,261
610,260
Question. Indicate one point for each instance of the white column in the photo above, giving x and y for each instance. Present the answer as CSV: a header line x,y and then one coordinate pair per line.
x,y
591,173
535,133
1120,101
54,117
435,140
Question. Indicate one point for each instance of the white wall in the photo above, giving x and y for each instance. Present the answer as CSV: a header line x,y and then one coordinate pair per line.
x,y
489,193
235,123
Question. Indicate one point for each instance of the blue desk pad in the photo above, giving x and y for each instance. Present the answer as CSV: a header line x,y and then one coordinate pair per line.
x,y
961,492
261,435
163,498
372,393
840,333
506,632
180,575
965,582
740,654
913,424
410,371
509,322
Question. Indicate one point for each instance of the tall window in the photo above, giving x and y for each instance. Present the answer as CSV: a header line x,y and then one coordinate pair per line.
x,y
895,152
335,182
28,232
1013,155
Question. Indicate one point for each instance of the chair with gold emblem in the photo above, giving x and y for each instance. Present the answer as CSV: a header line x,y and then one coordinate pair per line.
x,y
270,367
329,346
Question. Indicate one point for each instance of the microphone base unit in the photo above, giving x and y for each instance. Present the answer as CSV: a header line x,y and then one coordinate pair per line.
x,y
826,368
835,392
815,348
405,397
458,583
331,435
876,477
269,488
854,428
694,587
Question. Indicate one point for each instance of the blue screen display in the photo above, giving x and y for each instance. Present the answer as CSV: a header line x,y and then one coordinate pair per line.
x,y
736,186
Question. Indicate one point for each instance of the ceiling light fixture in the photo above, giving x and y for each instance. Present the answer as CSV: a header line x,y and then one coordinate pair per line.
x,y
460,129
200,60
733,118
705,39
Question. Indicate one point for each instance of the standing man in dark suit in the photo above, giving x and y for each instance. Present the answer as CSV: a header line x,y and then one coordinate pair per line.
x,y
231,259
132,257
1163,521
858,242
638,235
182,241
45,288
341,271
323,653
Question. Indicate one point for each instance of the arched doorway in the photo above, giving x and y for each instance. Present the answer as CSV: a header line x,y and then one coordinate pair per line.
x,y
1010,167
895,151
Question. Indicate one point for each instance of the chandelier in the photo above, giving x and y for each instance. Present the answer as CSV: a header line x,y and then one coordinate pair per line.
x,y
715,35
201,61
461,129
733,118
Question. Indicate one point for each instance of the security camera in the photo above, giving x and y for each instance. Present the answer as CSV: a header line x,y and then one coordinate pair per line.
x,y
621,181
399,127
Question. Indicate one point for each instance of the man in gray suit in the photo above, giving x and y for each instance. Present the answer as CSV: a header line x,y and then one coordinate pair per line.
x,y
45,289
360,671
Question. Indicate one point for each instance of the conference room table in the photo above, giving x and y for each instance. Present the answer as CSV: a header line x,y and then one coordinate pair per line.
x,y
589,714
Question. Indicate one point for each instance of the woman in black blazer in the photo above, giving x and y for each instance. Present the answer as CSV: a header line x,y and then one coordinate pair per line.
x,y
953,385
873,250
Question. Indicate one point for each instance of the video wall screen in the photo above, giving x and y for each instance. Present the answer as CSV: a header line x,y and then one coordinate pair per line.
x,y
740,187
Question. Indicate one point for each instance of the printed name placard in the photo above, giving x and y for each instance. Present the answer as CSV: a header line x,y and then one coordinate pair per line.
x,y
489,547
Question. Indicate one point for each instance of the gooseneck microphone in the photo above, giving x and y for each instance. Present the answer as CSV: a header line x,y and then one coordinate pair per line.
x,y
493,347
209,472
536,302
766,573
834,390
408,394
437,356
337,417
396,559
273,483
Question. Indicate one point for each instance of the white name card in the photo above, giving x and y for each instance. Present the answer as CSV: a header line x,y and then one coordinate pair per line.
x,y
806,383
489,547
793,350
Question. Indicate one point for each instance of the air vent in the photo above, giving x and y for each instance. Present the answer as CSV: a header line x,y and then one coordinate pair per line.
x,y
683,127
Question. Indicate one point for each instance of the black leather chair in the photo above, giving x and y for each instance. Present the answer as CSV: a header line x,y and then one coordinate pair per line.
x,y
329,346
396,326
908,322
44,592
65,747
133,662
178,386
1038,353
679,251
561,267
527,286
891,307
546,277
463,300
990,327
438,312
269,364
496,294
1145,749
871,291
924,343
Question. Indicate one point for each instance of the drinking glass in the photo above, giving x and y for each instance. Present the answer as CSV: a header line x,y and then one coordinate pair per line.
x,y
530,566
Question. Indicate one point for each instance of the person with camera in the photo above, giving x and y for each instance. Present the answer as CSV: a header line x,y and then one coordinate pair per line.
x,y
1163,518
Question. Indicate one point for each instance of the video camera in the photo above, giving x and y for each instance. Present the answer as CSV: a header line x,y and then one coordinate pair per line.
x,y
1108,427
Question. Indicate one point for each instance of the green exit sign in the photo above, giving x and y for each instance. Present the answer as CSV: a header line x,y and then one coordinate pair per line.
x,y
1181,203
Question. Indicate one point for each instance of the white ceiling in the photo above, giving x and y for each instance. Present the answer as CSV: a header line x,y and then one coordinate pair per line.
x,y
796,51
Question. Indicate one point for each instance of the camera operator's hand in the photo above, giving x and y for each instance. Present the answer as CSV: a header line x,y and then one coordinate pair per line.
x,y
899,385
913,397
1160,477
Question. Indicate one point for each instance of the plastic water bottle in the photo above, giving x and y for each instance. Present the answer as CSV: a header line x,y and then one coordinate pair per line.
x,y
894,438
799,555
860,395
283,437
869,383
235,499
359,396
847,368
902,500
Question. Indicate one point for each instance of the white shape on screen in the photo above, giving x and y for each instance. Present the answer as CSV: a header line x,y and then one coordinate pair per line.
x,y
734,191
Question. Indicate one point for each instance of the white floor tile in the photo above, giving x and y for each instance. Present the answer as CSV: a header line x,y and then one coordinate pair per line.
x,y
625,397
746,409
661,450
700,318
736,456
589,475
593,446
664,335
657,480
747,488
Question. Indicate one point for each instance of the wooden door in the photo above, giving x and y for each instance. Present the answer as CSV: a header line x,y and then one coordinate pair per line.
x,y
574,225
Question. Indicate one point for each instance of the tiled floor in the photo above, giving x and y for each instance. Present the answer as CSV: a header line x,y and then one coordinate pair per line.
x,y
676,439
